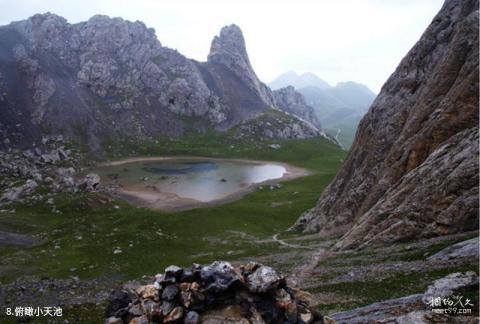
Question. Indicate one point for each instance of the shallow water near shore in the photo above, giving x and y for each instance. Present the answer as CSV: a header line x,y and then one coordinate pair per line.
x,y
203,180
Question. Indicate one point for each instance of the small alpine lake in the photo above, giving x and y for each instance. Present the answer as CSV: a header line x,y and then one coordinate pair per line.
x,y
179,183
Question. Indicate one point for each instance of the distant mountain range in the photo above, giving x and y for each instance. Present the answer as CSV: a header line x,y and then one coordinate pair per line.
x,y
291,78
339,108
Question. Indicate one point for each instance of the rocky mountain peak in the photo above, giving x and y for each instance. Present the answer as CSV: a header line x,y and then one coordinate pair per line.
x,y
298,81
229,43
116,25
111,76
228,50
41,28
48,18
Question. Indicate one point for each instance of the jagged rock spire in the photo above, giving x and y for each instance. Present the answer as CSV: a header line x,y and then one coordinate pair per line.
x,y
228,49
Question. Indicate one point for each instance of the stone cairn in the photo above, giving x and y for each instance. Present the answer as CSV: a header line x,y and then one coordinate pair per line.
x,y
214,294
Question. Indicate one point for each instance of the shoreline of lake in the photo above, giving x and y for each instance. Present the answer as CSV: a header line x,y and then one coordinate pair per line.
x,y
171,202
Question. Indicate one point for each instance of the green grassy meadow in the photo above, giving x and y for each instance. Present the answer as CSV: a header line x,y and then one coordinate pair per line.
x,y
81,239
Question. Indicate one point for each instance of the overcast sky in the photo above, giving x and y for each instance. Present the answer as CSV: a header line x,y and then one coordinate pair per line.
x,y
339,40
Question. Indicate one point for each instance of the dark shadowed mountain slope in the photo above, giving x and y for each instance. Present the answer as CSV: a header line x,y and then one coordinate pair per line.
x,y
108,77
412,171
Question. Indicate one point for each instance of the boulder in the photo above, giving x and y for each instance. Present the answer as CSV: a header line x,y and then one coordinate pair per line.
x,y
465,249
219,276
170,292
51,157
66,172
174,271
263,280
117,301
91,182
448,285
175,315
16,193
192,317
148,292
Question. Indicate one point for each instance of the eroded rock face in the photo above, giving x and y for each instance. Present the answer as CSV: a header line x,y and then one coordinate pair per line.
x,y
289,100
229,50
112,77
465,249
412,171
414,308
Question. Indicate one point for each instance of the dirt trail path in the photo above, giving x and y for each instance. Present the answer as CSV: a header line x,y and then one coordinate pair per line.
x,y
294,246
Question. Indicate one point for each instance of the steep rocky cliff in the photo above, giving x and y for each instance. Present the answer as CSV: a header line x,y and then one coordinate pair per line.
x,y
109,77
412,171
291,101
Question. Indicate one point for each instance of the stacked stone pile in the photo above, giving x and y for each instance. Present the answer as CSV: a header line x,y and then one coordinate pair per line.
x,y
217,293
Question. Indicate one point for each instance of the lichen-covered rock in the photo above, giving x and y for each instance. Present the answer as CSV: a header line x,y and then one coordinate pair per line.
x,y
412,171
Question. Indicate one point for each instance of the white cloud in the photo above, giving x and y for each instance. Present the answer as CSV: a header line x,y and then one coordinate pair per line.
x,y
359,40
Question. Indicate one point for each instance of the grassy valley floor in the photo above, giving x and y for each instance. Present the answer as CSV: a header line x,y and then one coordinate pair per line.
x,y
82,239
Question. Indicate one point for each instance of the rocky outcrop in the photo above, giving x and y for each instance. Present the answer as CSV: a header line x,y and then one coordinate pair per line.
x,y
275,124
13,194
465,249
412,171
108,77
49,166
339,109
417,308
228,49
217,293
293,102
